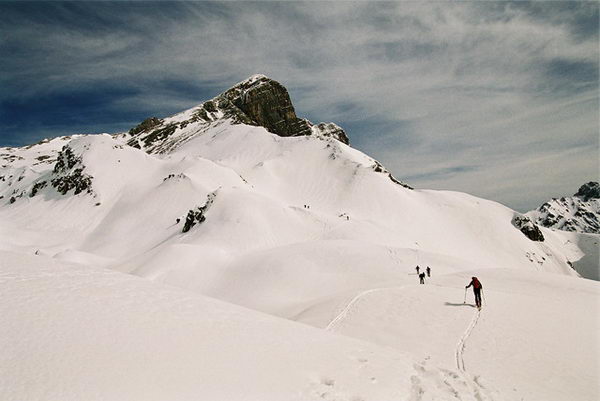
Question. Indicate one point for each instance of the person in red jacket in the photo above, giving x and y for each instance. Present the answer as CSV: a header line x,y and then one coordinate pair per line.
x,y
476,290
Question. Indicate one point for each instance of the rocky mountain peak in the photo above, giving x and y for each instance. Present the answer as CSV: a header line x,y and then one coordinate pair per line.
x,y
579,213
258,100
590,190
267,103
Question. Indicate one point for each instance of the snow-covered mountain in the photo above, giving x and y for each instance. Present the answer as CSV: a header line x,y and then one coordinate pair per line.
x,y
579,213
257,101
240,200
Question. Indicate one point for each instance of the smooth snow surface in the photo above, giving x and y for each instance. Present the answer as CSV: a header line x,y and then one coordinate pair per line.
x,y
73,333
301,228
586,252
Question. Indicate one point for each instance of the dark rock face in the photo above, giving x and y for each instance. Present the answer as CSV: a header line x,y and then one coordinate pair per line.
x,y
68,173
267,103
36,187
76,180
588,191
159,134
145,125
196,216
331,130
66,160
527,227
193,217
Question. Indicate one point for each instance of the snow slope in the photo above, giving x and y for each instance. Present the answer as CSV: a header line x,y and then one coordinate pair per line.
x,y
536,336
72,333
586,252
294,220
276,177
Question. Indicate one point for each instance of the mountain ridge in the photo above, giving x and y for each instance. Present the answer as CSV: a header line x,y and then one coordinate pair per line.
x,y
577,213
257,100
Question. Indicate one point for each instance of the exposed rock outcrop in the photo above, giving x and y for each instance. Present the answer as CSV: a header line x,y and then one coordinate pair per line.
x,y
36,187
579,213
588,191
378,168
527,227
68,173
330,130
196,215
145,125
267,103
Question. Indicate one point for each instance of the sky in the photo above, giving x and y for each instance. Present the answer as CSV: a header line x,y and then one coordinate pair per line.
x,y
496,99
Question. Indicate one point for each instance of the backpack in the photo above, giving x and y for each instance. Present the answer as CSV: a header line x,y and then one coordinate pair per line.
x,y
476,283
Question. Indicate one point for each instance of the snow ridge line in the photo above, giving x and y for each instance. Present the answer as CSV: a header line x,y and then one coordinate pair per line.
x,y
460,347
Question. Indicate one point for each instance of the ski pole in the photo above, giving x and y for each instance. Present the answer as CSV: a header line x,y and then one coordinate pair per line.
x,y
483,294
465,300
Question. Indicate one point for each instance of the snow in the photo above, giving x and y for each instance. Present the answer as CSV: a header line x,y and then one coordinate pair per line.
x,y
569,214
303,231
536,335
183,116
585,252
250,80
71,333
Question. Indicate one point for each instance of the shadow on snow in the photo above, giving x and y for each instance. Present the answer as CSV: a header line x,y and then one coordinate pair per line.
x,y
463,304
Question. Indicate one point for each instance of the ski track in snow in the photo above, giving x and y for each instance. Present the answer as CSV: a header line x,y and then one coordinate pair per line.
x,y
460,347
349,306
453,385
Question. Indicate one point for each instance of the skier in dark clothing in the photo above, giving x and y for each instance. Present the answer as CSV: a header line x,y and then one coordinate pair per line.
x,y
476,290
428,270
422,278
417,269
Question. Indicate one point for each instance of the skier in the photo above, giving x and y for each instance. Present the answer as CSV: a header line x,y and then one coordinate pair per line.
x,y
428,271
476,290
417,269
422,278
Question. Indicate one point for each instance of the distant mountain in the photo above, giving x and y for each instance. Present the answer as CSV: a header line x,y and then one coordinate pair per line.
x,y
578,213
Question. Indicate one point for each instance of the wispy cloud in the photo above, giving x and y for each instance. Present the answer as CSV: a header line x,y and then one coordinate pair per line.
x,y
450,95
